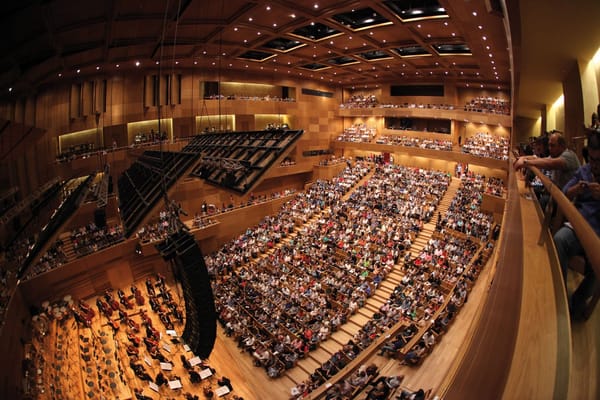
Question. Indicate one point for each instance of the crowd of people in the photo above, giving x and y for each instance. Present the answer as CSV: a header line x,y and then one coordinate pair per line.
x,y
91,238
485,104
464,213
309,285
488,104
409,141
249,98
484,144
358,133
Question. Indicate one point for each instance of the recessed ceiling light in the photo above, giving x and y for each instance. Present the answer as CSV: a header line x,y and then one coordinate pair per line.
x,y
235,29
250,19
274,24
480,26
156,63
484,37
316,5
453,34
474,13
268,8
97,68
137,63
78,71
10,89
418,25
293,15
59,74
117,65
195,62
446,23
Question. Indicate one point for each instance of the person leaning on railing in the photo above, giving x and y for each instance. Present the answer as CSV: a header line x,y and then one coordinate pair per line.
x,y
562,163
584,190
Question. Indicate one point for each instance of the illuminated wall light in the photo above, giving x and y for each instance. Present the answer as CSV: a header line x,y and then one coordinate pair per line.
x,y
250,19
118,65
59,75
275,25
97,68
446,23
316,6
474,13
596,58
419,26
293,15
156,63
453,34
235,29
10,89
137,63
78,70
480,26
195,62
268,8
484,37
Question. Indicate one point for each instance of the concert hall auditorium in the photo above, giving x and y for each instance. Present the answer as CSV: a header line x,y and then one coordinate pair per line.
x,y
289,200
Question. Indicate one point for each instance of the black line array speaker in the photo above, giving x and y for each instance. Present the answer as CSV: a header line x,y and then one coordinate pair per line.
x,y
100,217
200,330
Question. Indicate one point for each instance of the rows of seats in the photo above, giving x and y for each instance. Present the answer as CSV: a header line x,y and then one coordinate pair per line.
x,y
464,213
484,144
434,286
408,141
313,283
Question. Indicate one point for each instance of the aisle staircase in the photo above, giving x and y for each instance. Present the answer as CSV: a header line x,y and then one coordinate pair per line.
x,y
67,246
338,339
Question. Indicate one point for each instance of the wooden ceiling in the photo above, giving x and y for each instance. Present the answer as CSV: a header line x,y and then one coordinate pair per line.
x,y
64,39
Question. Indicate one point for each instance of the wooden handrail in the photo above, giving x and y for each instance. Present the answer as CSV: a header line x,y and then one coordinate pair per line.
x,y
587,236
